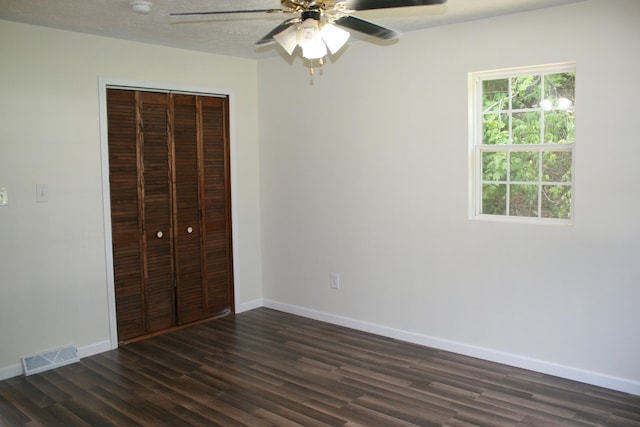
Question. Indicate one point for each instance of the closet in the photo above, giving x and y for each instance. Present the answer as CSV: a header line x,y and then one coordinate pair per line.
x,y
170,209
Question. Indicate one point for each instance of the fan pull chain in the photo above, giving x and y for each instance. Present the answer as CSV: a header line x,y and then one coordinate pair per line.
x,y
312,71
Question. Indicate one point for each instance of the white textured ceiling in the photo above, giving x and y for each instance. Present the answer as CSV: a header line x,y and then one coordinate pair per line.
x,y
236,34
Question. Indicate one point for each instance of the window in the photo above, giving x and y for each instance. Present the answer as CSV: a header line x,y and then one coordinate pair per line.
x,y
522,143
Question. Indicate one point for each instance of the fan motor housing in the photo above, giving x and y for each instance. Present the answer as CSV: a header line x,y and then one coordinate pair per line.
x,y
313,14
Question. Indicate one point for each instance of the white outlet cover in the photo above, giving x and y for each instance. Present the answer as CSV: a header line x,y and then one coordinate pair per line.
x,y
42,193
4,197
334,281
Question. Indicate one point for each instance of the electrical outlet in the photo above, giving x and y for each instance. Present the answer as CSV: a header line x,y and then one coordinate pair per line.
x,y
42,193
4,197
334,281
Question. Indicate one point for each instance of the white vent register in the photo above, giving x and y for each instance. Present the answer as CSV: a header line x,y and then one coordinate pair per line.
x,y
50,360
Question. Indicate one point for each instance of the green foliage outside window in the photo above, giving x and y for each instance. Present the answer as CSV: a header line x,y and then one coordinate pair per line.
x,y
536,112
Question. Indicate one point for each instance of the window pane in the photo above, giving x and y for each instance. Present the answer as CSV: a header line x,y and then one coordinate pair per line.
x,y
556,166
495,95
494,199
559,86
523,166
556,201
494,166
495,129
522,158
523,200
526,128
559,127
526,92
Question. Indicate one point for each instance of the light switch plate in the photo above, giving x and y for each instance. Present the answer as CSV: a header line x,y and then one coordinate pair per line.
x,y
4,197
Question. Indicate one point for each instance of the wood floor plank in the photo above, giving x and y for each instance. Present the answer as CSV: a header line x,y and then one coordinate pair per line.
x,y
267,368
10,414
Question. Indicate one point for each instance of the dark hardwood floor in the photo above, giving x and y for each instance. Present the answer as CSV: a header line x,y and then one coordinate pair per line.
x,y
267,368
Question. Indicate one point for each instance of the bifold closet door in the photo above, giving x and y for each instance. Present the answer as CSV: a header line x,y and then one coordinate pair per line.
x,y
139,163
216,213
187,144
202,214
170,209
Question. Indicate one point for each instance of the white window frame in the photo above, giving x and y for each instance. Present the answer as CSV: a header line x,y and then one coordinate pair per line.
x,y
476,146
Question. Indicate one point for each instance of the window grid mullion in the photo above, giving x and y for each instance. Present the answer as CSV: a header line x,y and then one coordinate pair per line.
x,y
508,180
510,147
509,142
540,184
542,112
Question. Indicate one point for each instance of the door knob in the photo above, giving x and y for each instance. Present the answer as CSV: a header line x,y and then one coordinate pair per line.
x,y
159,234
189,230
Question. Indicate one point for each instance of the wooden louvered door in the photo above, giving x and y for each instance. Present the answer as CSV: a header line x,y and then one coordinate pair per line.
x,y
216,212
203,239
188,177
187,208
169,185
123,117
157,251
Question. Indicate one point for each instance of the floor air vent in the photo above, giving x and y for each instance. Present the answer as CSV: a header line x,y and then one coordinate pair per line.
x,y
50,359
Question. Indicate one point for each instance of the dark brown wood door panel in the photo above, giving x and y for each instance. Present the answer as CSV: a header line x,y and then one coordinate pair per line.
x,y
123,118
170,203
157,226
217,207
187,186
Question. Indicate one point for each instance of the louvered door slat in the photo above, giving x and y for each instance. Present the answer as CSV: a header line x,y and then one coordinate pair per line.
x,y
217,206
123,181
157,212
140,208
189,290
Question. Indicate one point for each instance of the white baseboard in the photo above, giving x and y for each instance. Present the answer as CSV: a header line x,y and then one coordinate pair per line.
x,y
15,370
541,366
11,371
91,349
568,372
84,351
249,305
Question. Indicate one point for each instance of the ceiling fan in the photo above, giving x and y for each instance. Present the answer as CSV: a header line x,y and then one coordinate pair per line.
x,y
316,28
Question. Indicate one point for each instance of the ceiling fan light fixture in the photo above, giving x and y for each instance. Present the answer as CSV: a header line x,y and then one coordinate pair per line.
x,y
288,39
316,28
313,40
310,40
334,37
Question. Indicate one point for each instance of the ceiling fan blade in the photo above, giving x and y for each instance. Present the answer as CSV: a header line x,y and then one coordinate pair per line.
x,y
385,4
366,27
280,28
225,12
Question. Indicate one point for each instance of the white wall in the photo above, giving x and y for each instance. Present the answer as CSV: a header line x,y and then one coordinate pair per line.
x,y
53,280
364,172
